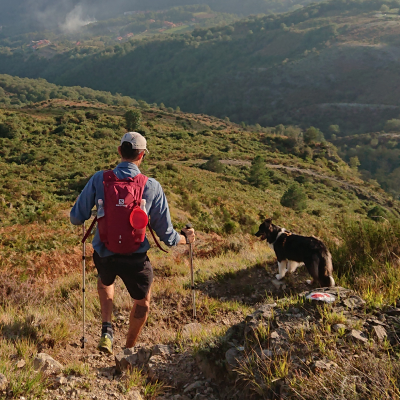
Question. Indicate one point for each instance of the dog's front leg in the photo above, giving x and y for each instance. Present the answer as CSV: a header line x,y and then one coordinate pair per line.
x,y
282,269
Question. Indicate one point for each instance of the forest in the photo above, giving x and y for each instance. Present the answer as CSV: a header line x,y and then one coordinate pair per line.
x,y
289,68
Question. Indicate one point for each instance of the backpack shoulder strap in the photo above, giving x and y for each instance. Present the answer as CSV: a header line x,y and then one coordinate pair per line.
x,y
155,239
109,176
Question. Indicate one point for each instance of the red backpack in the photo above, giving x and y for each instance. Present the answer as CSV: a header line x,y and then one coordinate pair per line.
x,y
119,230
122,226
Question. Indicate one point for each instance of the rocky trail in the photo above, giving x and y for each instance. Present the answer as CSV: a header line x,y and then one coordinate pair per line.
x,y
282,341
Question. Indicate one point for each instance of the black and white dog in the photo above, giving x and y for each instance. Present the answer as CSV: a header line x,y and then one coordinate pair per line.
x,y
293,250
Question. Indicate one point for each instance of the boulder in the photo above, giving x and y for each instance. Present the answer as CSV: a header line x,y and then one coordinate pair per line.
x,y
3,382
357,336
380,332
127,359
131,357
46,363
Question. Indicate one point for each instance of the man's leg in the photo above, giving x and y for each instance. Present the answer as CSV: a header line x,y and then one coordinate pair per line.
x,y
106,295
137,319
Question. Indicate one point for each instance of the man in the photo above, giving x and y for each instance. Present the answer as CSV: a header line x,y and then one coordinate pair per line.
x,y
134,269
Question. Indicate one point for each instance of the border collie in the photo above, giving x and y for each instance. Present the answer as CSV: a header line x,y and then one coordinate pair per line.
x,y
293,250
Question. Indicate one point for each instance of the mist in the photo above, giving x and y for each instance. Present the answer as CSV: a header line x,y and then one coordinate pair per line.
x,y
75,20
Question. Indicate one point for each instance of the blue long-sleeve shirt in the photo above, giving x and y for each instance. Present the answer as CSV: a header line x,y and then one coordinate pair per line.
x,y
156,208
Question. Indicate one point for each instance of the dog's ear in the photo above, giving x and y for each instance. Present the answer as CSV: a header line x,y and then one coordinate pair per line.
x,y
268,221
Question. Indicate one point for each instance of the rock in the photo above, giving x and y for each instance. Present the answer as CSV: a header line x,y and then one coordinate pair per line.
x,y
134,394
380,332
393,311
194,386
21,364
144,355
192,329
265,311
354,302
3,382
161,349
275,336
231,357
338,327
375,322
358,336
125,360
325,365
45,363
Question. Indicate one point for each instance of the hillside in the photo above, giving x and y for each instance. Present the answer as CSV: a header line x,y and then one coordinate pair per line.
x,y
377,155
224,178
308,67
23,16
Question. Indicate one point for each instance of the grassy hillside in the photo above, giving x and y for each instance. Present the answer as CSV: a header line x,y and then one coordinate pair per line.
x,y
308,67
222,177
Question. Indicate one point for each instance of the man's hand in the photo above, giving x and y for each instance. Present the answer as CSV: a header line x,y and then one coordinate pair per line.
x,y
189,234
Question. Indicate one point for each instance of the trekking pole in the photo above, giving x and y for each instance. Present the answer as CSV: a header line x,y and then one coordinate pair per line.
x,y
83,340
190,226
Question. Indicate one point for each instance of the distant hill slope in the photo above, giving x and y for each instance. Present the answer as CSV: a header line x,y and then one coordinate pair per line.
x,y
23,16
48,150
328,64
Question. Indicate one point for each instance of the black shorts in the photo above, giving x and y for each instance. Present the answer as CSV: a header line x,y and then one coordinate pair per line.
x,y
135,271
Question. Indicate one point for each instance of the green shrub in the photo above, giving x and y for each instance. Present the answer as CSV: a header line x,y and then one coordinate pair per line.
x,y
393,125
213,165
295,197
230,227
377,213
180,135
365,247
258,176
133,120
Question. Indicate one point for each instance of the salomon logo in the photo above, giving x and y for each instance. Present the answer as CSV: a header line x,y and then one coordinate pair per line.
x,y
121,202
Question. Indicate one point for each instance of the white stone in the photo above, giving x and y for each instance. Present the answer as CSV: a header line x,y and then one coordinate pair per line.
x,y
46,363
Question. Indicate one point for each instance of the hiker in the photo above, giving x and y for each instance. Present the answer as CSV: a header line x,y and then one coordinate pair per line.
x,y
133,268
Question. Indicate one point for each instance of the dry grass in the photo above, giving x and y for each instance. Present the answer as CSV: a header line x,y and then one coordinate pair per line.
x,y
363,377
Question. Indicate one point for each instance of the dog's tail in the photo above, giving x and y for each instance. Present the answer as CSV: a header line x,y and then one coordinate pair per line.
x,y
326,270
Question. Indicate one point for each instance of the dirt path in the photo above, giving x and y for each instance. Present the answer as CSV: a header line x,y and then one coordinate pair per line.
x,y
359,191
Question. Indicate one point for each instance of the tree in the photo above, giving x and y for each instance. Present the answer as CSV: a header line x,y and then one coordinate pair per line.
x,y
213,165
392,125
258,174
334,129
295,197
354,162
312,135
133,119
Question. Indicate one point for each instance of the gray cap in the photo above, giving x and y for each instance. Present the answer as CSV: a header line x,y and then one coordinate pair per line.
x,y
136,140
